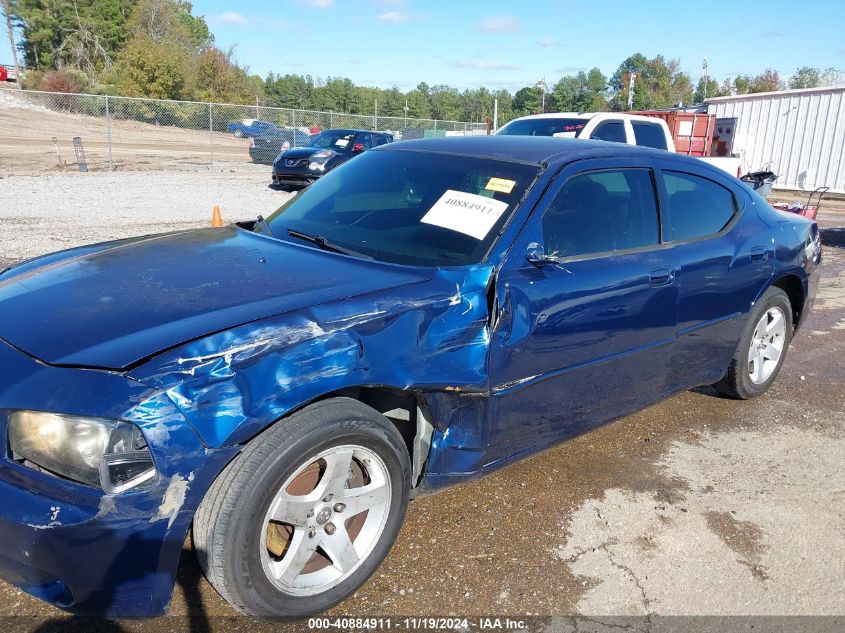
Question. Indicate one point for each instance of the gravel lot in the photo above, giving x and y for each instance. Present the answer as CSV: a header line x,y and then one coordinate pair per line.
x,y
698,505
40,214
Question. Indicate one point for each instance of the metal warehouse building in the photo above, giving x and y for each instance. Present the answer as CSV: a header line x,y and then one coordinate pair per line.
x,y
797,134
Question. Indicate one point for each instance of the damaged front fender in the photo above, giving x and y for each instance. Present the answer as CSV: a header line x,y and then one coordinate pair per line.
x,y
428,337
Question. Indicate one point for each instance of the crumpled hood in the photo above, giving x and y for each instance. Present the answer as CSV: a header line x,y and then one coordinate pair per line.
x,y
110,308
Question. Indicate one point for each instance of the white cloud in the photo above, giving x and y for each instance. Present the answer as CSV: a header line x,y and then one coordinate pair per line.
x,y
230,17
394,17
499,24
548,42
393,3
321,4
480,64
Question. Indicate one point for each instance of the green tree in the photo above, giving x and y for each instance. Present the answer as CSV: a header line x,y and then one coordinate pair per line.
x,y
289,91
584,92
659,83
152,69
169,21
832,77
446,103
767,81
505,105
214,77
712,90
805,77
527,101
78,34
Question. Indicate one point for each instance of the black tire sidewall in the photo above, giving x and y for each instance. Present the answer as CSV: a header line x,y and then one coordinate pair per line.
x,y
774,297
243,560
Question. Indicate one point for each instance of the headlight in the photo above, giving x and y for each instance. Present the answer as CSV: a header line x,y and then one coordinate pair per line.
x,y
316,166
107,453
322,155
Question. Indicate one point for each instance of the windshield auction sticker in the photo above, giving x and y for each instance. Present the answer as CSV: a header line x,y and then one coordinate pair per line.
x,y
502,185
466,213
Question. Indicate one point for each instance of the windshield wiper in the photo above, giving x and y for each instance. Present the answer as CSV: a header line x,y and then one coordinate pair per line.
x,y
324,244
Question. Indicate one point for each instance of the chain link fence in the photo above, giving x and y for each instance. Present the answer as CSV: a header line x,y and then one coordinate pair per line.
x,y
47,131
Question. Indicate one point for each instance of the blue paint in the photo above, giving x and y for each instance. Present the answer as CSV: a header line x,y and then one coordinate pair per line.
x,y
204,338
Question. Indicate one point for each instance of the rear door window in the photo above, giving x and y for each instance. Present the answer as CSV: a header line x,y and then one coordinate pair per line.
x,y
610,131
602,211
698,207
649,134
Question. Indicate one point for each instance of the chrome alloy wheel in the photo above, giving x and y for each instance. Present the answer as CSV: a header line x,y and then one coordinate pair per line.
x,y
766,345
325,520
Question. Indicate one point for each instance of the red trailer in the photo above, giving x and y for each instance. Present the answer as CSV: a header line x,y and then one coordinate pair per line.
x,y
691,131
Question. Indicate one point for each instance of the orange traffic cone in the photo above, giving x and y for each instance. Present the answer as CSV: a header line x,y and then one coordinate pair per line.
x,y
216,218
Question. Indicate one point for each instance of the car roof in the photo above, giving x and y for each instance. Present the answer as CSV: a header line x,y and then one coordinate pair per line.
x,y
345,130
531,149
557,115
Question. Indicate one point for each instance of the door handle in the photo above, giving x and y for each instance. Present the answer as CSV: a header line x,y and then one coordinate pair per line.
x,y
759,254
661,277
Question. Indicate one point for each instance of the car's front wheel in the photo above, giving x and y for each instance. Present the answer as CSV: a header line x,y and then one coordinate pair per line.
x,y
307,512
238,133
762,348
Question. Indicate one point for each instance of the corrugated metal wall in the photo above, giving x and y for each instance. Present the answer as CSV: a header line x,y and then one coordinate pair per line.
x,y
799,135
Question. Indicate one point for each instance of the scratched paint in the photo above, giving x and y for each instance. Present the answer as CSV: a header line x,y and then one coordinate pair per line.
x,y
231,385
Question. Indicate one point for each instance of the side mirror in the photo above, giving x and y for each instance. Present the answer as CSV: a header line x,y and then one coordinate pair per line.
x,y
358,147
536,255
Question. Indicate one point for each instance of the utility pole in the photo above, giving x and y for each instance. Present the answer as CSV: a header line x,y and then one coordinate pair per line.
x,y
631,81
705,77
5,4
495,114
542,87
406,108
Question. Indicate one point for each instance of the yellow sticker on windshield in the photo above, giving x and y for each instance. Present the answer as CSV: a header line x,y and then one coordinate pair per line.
x,y
500,184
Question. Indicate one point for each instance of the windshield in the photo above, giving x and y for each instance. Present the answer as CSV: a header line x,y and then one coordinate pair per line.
x,y
409,207
570,127
332,140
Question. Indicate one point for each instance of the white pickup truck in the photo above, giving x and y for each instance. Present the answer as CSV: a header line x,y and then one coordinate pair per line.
x,y
618,127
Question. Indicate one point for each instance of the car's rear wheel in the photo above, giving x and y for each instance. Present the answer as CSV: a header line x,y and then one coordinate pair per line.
x,y
762,349
307,512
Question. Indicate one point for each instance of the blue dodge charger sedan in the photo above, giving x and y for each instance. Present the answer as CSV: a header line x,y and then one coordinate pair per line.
x,y
422,315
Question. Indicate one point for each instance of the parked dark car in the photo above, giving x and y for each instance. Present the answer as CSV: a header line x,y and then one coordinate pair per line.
x,y
300,166
264,148
249,128
422,315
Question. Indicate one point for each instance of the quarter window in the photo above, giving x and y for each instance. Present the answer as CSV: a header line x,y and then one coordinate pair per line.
x,y
602,211
698,207
610,131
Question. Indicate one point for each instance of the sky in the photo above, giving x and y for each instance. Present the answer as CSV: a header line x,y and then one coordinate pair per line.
x,y
509,44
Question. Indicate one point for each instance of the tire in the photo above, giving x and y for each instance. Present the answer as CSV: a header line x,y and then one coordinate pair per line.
x,y
251,559
751,372
238,133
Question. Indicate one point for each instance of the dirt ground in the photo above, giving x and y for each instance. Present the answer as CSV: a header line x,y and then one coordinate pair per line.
x,y
27,131
699,505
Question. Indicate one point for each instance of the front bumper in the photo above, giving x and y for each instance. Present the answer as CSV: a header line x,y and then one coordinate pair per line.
x,y
73,545
300,176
